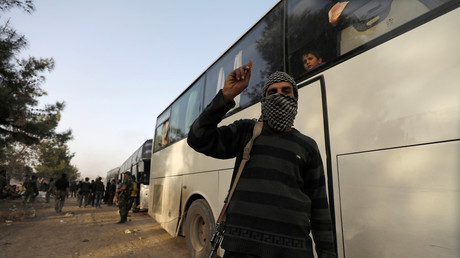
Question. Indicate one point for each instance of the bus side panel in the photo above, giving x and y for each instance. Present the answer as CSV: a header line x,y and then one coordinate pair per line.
x,y
402,202
405,91
401,93
203,184
165,200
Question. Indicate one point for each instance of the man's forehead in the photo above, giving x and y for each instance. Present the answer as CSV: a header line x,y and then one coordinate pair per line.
x,y
280,85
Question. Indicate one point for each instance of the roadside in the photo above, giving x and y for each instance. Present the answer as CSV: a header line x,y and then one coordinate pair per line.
x,y
36,230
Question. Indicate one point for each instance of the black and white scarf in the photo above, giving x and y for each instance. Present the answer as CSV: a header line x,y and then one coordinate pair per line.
x,y
279,110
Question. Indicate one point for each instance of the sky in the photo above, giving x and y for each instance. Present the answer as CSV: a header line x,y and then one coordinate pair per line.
x,y
119,64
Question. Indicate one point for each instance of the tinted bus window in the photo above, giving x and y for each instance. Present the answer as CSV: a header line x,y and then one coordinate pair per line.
x,y
264,46
319,31
184,111
161,132
361,22
309,35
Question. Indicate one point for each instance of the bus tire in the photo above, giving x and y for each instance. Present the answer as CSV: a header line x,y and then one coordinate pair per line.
x,y
199,227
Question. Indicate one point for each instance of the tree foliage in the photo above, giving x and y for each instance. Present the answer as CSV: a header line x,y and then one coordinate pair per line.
x,y
54,159
24,127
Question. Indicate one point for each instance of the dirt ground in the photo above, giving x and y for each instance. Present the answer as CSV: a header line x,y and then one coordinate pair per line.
x,y
37,231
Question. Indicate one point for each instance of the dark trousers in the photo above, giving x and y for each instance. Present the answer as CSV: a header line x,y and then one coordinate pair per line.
x,y
59,200
123,207
81,197
98,198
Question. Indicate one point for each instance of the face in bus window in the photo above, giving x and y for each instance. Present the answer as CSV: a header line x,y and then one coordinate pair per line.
x,y
280,87
310,61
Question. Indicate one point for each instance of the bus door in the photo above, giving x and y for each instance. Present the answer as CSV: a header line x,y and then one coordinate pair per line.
x,y
312,121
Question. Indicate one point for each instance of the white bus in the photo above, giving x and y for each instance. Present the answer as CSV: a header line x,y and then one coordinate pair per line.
x,y
383,106
138,164
112,174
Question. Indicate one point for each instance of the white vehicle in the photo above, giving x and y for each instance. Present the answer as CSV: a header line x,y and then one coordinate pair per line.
x,y
138,164
112,174
383,105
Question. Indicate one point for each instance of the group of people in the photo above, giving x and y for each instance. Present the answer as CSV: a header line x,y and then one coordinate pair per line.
x,y
7,190
124,193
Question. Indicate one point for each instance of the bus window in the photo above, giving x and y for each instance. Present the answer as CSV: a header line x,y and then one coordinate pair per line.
x,y
161,135
194,105
263,44
311,40
164,134
184,111
361,22
161,132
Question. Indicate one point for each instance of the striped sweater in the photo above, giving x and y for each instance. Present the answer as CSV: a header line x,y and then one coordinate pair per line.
x,y
281,195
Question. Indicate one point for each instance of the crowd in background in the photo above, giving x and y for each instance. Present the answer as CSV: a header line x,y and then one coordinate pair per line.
x,y
92,193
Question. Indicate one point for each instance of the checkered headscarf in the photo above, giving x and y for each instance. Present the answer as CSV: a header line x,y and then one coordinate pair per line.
x,y
279,77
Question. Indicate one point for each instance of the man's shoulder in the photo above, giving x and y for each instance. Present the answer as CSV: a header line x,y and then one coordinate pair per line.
x,y
305,139
245,124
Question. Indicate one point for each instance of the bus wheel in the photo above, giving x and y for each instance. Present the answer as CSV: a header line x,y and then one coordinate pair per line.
x,y
199,227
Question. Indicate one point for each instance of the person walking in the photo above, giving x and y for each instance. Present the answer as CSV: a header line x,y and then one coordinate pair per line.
x,y
124,193
134,195
98,192
3,182
83,192
73,189
106,193
31,189
112,190
281,196
61,191
49,191
91,195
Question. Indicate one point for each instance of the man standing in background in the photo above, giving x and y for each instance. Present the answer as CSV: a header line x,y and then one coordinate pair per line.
x,y
61,190
124,193
98,191
49,191
31,189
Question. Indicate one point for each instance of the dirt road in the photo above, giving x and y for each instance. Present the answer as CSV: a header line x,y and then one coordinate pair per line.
x,y
37,231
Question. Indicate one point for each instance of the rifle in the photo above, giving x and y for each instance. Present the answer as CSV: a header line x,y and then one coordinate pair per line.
x,y
218,235
216,239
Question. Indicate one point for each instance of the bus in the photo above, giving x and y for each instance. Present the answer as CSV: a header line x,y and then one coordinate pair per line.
x,y
138,164
383,106
112,174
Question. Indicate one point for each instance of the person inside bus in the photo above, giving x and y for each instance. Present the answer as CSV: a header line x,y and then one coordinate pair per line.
x,y
311,59
281,196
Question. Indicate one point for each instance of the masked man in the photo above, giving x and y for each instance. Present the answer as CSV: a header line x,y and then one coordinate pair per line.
x,y
281,196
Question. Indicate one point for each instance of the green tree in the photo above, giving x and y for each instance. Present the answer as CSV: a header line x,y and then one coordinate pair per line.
x,y
20,88
19,160
28,133
54,158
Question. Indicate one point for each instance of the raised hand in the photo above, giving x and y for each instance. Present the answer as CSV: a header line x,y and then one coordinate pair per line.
x,y
237,81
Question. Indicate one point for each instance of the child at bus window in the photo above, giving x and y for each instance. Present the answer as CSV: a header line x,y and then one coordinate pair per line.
x,y
311,59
